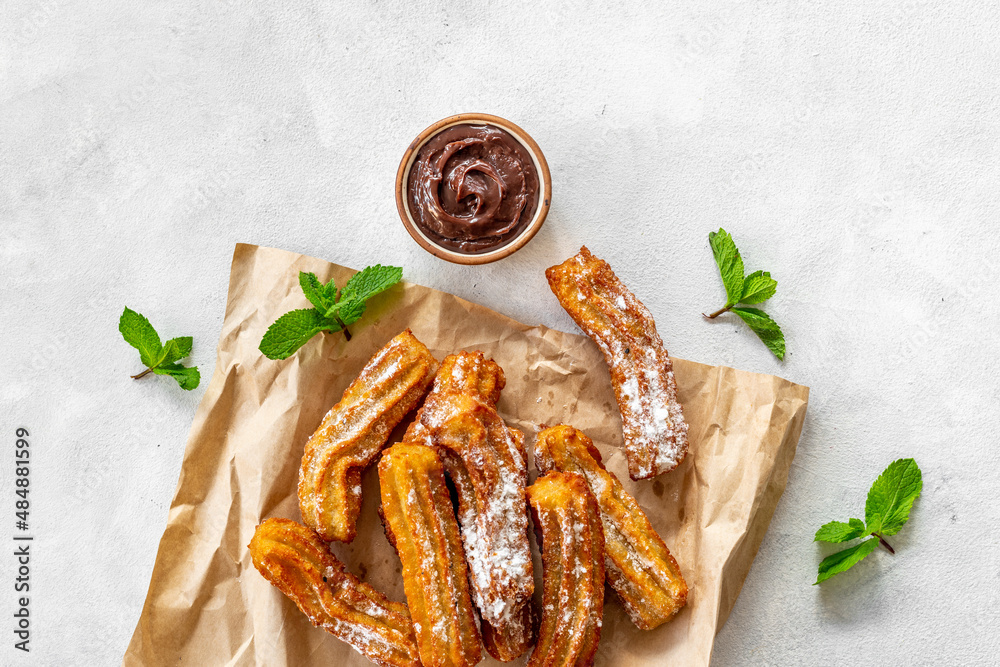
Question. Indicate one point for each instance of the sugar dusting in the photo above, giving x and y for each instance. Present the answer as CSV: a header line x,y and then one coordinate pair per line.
x,y
640,549
348,421
347,608
653,421
355,427
493,511
361,637
494,534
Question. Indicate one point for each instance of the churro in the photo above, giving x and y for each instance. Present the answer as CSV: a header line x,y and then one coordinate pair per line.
x,y
420,523
572,541
355,430
299,564
486,462
639,566
641,371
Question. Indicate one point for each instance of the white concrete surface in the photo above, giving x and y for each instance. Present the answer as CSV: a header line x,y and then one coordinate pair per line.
x,y
851,149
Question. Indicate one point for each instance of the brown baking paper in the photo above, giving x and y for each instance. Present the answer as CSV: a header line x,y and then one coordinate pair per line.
x,y
206,603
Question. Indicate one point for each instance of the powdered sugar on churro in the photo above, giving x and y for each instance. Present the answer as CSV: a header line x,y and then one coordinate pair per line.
x,y
641,371
299,563
495,541
489,470
654,421
494,527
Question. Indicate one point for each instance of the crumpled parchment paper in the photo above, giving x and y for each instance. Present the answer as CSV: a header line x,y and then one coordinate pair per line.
x,y
206,603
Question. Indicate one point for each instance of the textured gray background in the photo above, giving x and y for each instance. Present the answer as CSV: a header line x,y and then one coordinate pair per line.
x,y
851,151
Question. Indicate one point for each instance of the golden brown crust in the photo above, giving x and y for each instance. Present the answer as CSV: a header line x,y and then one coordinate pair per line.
x,y
297,562
420,519
572,541
354,431
639,566
467,373
487,464
641,371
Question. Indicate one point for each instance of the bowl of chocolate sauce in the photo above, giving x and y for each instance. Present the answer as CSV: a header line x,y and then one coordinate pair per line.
x,y
473,188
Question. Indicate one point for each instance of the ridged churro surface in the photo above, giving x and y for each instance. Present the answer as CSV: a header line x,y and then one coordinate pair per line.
x,y
420,522
572,541
355,430
486,462
639,566
298,563
642,374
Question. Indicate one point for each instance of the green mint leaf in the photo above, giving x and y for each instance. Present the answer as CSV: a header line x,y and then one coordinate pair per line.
x,y
765,328
187,378
838,531
184,345
362,286
891,497
727,257
758,287
160,359
140,334
314,291
367,283
175,349
351,311
330,291
293,330
845,560
330,312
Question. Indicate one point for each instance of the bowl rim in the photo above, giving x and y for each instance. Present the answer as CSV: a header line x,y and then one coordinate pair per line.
x,y
522,137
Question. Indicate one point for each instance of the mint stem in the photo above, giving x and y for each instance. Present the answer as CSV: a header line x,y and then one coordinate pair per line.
x,y
343,327
142,374
717,313
881,540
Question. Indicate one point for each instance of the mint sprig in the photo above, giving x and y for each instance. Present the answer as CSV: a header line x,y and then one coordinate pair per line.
x,y
756,288
158,358
886,510
331,311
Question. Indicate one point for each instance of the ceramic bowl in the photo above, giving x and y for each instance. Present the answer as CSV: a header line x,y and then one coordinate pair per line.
x,y
513,245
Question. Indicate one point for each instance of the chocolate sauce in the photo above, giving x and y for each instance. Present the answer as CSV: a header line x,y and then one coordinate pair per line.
x,y
472,188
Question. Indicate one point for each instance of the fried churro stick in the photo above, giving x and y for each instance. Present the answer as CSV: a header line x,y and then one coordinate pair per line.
x,y
354,431
639,566
297,562
572,541
420,523
467,373
641,371
488,466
